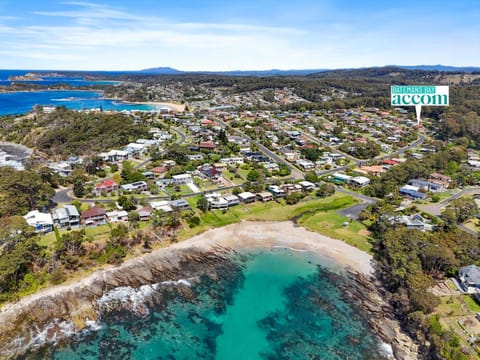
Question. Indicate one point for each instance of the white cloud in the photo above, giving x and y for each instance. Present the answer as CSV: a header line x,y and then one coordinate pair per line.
x,y
87,35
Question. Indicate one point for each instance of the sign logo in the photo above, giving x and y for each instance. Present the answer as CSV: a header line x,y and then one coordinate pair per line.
x,y
419,95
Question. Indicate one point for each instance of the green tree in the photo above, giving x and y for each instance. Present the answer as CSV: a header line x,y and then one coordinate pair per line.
x,y
202,204
464,208
311,176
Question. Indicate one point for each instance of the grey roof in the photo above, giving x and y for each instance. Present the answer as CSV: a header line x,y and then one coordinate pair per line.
x,y
471,274
72,210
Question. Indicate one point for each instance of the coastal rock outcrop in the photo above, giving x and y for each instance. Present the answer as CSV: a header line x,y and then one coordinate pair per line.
x,y
365,292
59,312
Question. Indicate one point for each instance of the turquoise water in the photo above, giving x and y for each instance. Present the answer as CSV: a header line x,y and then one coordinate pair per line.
x,y
271,305
22,102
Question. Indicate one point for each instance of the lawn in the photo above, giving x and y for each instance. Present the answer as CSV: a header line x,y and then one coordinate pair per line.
x,y
315,214
337,226
471,303
449,306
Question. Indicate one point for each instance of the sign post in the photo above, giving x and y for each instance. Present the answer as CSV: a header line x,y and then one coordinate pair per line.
x,y
419,95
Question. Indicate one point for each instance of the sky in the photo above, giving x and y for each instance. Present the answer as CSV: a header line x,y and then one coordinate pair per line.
x,y
219,35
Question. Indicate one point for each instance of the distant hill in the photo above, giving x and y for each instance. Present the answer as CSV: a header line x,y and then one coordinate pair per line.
x,y
375,71
162,71
272,72
466,69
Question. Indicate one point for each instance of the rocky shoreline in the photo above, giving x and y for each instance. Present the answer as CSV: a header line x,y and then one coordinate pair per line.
x,y
366,293
56,313
59,312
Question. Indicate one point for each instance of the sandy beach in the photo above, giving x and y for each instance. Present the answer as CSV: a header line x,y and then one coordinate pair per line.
x,y
75,303
175,107
269,235
245,235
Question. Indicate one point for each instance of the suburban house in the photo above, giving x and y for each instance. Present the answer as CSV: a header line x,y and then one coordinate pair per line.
x,y
291,188
265,196
107,186
180,204
195,157
232,161
149,175
359,181
271,166
426,185
135,149
136,186
114,156
182,179
163,182
63,168
305,164
247,197
145,213
162,206
276,191
216,201
412,192
441,179
307,185
93,216
42,222
232,200
159,171
469,277
415,221
117,216
340,178
68,215
371,170
207,145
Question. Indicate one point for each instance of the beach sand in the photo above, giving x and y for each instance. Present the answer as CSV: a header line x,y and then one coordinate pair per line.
x,y
175,107
245,235
268,235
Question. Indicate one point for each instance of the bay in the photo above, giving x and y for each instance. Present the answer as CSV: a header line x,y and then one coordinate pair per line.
x,y
279,305
23,101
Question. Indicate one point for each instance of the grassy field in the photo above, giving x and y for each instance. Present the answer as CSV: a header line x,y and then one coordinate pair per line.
x,y
315,214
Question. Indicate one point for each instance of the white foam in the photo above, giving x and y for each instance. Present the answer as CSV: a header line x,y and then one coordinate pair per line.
x,y
177,282
387,350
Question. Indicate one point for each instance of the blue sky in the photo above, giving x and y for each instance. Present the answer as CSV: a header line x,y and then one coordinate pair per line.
x,y
232,35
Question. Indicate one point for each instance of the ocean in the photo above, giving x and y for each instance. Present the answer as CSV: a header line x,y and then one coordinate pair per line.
x,y
275,304
72,80
23,101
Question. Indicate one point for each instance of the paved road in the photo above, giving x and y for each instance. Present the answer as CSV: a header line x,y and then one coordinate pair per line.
x,y
295,173
182,136
436,209
354,211
61,196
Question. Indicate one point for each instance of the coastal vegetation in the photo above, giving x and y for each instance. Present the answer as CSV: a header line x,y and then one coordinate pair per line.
x,y
65,132
57,256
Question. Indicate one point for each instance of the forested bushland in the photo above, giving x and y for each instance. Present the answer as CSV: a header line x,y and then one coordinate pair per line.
x,y
408,262
66,132
22,191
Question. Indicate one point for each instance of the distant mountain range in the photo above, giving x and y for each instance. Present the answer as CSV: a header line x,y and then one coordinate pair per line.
x,y
302,72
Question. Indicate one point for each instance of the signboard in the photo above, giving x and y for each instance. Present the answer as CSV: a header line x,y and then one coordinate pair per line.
x,y
418,96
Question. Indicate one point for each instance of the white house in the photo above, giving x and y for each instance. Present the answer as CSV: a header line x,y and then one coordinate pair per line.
x,y
216,201
182,179
42,222
246,197
117,216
